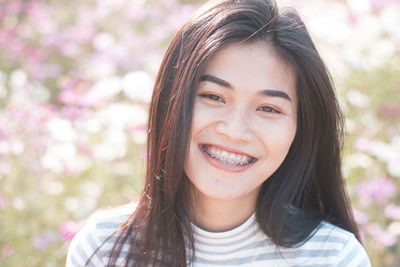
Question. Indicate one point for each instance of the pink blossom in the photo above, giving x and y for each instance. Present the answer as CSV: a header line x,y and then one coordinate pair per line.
x,y
5,36
389,110
363,144
7,250
353,18
14,7
44,240
14,47
382,237
135,13
102,91
360,216
2,12
71,113
392,212
381,3
68,230
85,149
143,154
18,203
3,202
32,116
74,92
392,131
79,35
138,128
3,131
39,17
379,189
33,54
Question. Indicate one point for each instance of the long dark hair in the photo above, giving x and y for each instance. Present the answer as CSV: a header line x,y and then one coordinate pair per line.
x,y
308,186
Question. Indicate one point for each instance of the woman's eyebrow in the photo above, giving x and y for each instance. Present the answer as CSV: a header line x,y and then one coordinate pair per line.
x,y
223,83
275,93
214,79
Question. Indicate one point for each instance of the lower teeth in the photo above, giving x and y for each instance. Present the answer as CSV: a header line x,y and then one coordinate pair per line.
x,y
226,162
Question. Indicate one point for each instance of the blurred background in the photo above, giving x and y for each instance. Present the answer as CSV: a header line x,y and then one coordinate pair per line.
x,y
75,82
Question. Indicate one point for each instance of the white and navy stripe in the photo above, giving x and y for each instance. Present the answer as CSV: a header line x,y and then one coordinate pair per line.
x,y
246,245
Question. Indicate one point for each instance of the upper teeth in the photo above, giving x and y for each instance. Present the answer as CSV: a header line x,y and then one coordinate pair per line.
x,y
227,157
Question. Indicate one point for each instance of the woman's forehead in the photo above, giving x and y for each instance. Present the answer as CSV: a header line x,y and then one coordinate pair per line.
x,y
254,65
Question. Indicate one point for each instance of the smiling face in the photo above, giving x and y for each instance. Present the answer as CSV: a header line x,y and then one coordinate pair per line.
x,y
244,121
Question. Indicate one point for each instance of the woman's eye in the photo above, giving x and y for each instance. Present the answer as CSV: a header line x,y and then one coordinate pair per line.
x,y
212,97
269,109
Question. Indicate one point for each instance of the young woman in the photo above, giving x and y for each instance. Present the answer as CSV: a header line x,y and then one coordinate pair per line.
x,y
243,161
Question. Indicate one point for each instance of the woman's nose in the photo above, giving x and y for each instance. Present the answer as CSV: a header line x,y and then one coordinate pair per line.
x,y
235,126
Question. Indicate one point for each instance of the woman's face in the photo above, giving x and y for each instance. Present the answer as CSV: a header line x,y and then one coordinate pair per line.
x,y
244,121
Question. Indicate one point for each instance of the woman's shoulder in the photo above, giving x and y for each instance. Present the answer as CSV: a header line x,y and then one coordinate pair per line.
x,y
338,245
95,236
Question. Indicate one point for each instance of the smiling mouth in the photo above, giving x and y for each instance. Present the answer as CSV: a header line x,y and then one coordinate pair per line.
x,y
229,158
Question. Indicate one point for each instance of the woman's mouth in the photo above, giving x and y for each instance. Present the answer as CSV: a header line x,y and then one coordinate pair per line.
x,y
226,157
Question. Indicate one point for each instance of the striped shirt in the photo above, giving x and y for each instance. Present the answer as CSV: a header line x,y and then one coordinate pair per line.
x,y
245,245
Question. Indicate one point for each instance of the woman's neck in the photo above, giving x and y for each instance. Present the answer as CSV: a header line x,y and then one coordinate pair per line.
x,y
216,215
